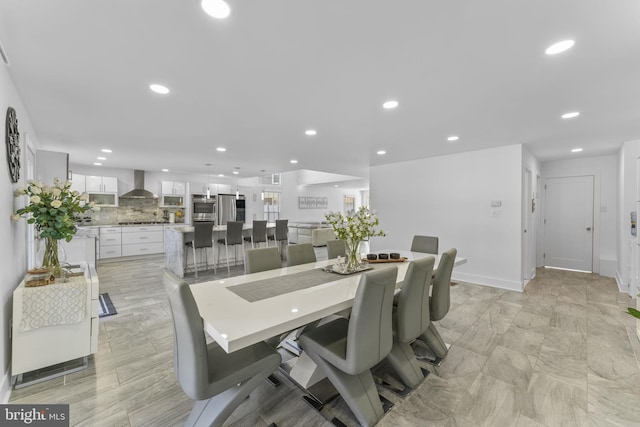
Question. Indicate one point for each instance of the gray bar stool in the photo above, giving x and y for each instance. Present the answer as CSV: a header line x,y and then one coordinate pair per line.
x,y
233,237
218,381
202,239
282,233
346,349
258,233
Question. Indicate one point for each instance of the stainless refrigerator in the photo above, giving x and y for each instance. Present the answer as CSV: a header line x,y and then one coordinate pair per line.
x,y
230,208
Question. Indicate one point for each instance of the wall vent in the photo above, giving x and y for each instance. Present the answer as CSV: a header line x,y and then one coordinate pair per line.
x,y
4,56
275,179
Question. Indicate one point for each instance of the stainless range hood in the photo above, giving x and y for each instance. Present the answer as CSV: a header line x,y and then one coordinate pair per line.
x,y
138,191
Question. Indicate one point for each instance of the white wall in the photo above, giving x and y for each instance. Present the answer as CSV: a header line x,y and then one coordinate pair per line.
x,y
450,197
627,180
291,191
605,172
13,249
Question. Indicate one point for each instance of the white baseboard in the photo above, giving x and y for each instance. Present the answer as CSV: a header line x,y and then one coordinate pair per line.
x,y
488,281
5,388
608,267
622,287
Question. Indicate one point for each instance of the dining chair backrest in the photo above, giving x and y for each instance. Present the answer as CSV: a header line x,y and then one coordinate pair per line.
x,y
301,253
425,244
413,316
441,294
282,229
262,259
190,346
369,336
234,232
203,237
259,232
336,248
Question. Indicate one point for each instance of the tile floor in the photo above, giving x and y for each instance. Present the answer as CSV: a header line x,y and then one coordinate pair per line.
x,y
563,353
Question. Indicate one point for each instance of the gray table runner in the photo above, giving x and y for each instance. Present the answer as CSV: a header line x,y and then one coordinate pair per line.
x,y
268,288
275,286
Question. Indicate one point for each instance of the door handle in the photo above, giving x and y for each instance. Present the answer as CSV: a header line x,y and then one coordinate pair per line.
x,y
588,228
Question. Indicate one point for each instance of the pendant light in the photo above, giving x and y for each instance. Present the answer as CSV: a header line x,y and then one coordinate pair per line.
x,y
237,194
262,194
208,181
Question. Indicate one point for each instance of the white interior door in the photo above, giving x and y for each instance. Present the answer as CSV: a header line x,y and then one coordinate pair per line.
x,y
529,232
568,223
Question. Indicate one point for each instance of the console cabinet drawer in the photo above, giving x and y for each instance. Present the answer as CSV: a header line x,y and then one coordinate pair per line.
x,y
142,237
142,249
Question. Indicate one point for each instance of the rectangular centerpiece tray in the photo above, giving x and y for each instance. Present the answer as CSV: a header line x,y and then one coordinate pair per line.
x,y
376,261
334,269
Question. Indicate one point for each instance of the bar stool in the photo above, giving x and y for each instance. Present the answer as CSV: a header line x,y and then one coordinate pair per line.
x,y
282,233
258,233
202,239
233,237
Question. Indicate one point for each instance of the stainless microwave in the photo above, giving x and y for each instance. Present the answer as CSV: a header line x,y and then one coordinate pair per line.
x,y
204,209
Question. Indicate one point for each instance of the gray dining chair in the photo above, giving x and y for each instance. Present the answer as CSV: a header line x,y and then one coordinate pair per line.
x,y
258,233
233,237
439,304
425,244
262,259
202,239
346,349
301,253
336,248
411,320
217,381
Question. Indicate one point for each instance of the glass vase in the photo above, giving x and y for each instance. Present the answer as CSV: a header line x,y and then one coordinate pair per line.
x,y
353,256
51,255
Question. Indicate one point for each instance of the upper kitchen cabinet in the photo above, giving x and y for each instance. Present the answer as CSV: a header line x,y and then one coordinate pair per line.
x,y
103,190
78,183
101,184
51,165
175,188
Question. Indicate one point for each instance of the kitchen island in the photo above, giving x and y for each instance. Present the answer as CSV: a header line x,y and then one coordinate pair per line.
x,y
176,258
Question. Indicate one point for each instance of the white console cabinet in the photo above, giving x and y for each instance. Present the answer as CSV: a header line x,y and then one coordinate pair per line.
x,y
40,347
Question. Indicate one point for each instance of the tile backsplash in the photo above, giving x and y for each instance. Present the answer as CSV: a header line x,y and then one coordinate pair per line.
x,y
132,210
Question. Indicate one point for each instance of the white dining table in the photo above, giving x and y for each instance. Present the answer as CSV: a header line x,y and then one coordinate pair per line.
x,y
234,322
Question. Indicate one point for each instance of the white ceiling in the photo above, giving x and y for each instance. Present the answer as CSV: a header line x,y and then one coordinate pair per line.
x,y
253,83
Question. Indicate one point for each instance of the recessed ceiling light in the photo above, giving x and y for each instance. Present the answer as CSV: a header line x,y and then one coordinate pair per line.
x,y
390,104
453,138
163,90
294,310
221,149
97,164
381,152
220,175
101,158
336,185
106,150
576,150
293,161
310,132
236,172
165,170
216,8
559,47
570,115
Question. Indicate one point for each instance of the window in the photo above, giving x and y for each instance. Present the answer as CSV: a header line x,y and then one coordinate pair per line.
x,y
271,203
349,204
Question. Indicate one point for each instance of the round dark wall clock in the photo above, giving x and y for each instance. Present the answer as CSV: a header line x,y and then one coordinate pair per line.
x,y
13,144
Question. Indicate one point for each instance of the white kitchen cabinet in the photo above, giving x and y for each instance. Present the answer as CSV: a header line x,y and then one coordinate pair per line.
x,y
40,347
142,240
110,242
101,184
176,188
78,183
